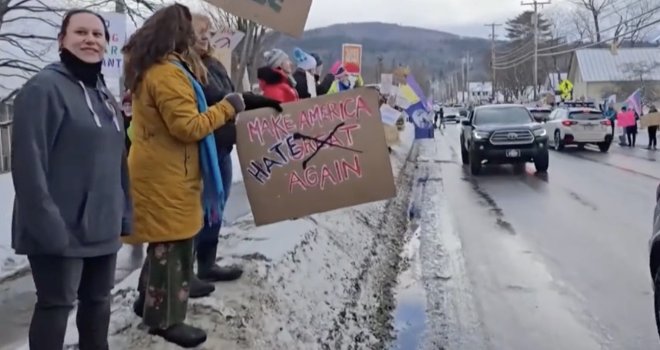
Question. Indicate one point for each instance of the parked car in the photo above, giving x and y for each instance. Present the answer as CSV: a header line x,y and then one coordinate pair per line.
x,y
654,259
503,134
579,126
451,114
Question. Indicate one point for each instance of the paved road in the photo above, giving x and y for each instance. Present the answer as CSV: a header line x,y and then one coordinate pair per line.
x,y
510,262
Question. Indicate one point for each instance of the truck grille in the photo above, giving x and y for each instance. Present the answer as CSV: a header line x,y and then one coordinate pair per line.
x,y
512,137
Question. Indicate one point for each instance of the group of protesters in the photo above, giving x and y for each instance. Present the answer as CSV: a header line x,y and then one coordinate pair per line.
x,y
83,188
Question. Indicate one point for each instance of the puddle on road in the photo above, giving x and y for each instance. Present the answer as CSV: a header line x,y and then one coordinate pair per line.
x,y
409,315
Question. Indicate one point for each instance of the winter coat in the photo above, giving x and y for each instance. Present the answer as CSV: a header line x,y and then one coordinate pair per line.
x,y
625,119
300,76
219,85
610,114
337,86
164,159
275,84
321,87
69,170
325,84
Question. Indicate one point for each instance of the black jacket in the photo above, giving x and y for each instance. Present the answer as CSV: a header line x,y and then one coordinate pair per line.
x,y
219,85
301,84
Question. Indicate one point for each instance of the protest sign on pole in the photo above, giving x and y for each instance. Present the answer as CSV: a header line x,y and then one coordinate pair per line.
x,y
224,56
320,154
351,58
227,39
113,60
386,83
288,17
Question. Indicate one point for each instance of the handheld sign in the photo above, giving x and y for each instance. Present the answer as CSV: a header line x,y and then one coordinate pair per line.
x,y
284,16
320,154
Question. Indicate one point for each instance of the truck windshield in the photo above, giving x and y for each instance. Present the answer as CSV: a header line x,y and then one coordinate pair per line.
x,y
502,115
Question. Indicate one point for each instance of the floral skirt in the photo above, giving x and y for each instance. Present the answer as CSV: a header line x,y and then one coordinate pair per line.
x,y
165,282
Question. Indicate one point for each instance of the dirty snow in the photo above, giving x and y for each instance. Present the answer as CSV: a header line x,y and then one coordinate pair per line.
x,y
10,264
317,283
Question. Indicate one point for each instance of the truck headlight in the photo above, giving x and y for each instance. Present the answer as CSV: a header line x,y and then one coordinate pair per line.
x,y
540,132
480,135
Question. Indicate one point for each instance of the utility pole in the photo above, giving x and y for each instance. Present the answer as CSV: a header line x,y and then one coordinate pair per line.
x,y
535,21
468,60
492,58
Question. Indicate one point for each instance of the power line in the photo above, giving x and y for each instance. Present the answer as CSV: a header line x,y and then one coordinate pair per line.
x,y
599,42
606,29
536,5
492,53
526,47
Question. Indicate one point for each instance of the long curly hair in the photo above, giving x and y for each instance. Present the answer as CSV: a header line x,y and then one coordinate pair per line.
x,y
169,30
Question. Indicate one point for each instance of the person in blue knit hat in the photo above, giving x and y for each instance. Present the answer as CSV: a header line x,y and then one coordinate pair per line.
x,y
322,86
304,73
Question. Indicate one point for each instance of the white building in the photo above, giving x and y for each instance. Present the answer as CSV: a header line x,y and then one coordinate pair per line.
x,y
598,73
480,91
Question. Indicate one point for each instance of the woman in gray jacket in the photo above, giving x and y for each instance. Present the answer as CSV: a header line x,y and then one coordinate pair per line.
x,y
70,179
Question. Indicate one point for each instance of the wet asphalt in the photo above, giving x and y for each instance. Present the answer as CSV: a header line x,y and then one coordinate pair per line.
x,y
527,261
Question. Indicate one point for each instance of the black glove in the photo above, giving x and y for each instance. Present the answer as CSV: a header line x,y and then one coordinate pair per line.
x,y
253,101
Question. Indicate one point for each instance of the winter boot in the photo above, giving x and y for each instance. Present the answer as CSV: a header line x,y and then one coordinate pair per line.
x,y
208,270
199,288
138,305
182,335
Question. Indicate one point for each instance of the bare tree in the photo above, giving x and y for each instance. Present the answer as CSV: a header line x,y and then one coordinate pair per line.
x,y
595,9
563,26
247,52
21,51
637,16
28,30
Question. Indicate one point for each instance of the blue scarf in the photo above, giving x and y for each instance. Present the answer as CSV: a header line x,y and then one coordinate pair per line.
x,y
213,193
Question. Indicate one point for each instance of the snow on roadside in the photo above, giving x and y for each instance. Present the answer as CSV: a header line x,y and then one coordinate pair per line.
x,y
237,173
316,283
10,263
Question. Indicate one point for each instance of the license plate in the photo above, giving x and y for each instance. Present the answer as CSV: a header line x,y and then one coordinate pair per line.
x,y
590,126
512,153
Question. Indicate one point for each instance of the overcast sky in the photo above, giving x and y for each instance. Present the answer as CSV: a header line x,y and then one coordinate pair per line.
x,y
463,17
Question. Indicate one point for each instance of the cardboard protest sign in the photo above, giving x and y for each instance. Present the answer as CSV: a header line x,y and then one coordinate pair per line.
x,y
227,39
113,60
224,56
386,83
351,58
284,16
320,154
651,119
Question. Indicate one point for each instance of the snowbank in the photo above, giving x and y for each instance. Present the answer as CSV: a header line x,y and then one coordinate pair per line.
x,y
10,264
316,283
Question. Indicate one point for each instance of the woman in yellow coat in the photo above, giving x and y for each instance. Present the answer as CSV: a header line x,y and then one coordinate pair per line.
x,y
164,164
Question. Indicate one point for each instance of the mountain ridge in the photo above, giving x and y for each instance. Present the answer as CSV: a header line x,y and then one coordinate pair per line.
x,y
429,53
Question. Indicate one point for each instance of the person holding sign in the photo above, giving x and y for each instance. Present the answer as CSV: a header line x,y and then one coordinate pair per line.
x,y
173,164
219,85
275,78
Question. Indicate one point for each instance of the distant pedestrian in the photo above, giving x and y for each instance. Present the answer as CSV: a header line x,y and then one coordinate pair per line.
x,y
610,114
652,129
626,119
